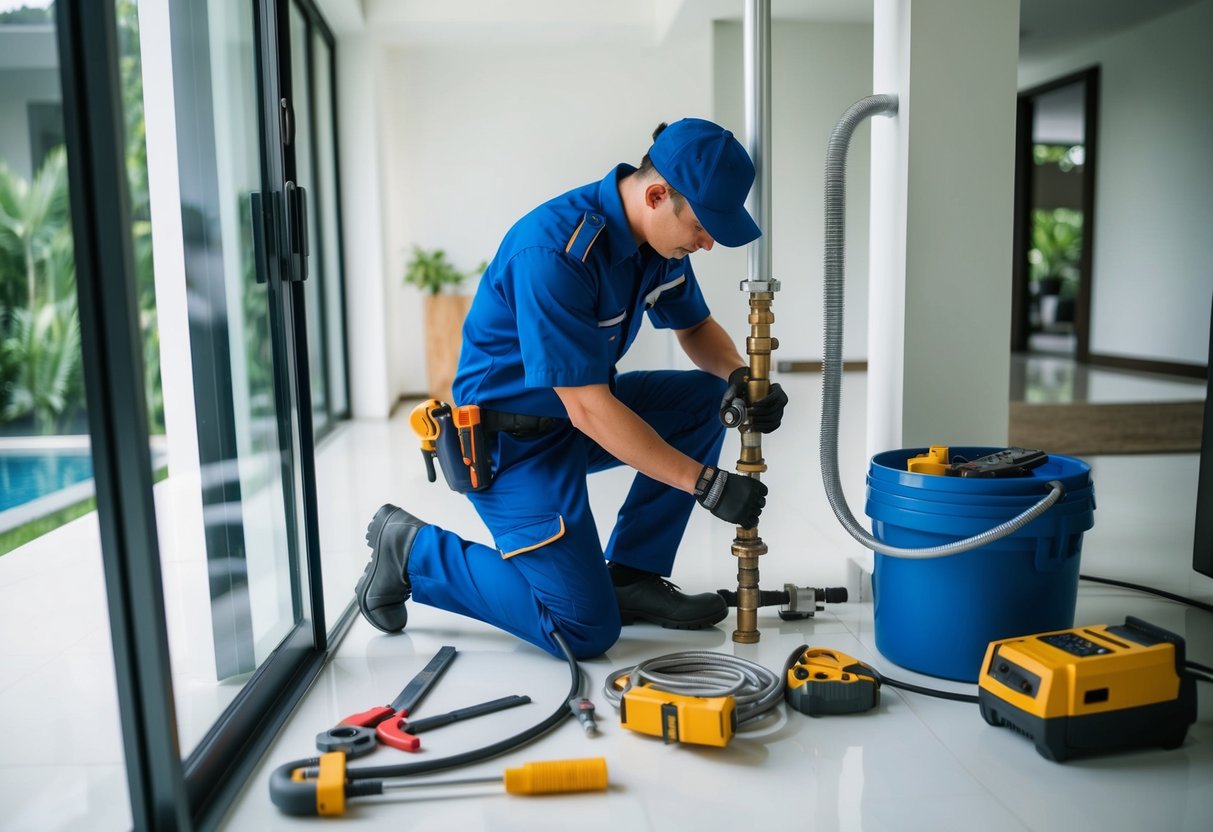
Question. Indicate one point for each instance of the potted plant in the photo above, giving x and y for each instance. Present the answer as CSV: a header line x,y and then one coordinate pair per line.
x,y
1054,262
445,309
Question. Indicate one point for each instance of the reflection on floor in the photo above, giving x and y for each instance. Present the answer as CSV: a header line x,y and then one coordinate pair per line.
x,y
1047,378
914,763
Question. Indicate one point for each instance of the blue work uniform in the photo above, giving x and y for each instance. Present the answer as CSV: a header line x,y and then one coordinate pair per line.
x,y
559,305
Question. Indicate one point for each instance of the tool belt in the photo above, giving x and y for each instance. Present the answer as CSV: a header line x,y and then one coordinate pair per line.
x,y
458,438
517,424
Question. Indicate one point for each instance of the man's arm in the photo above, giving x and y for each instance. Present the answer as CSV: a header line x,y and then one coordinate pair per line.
x,y
595,411
710,348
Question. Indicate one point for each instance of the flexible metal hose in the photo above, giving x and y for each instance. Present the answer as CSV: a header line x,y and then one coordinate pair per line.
x,y
754,688
831,370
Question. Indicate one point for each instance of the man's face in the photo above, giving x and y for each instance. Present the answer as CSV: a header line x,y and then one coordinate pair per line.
x,y
676,232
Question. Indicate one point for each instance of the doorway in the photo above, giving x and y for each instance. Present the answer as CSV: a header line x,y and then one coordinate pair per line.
x,y
1054,215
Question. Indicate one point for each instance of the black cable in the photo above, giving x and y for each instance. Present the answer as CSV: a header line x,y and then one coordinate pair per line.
x,y
561,713
1198,666
795,655
1162,593
940,694
965,697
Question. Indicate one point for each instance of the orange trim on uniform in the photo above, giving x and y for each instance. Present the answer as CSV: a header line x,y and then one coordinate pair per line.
x,y
540,544
573,239
569,245
591,245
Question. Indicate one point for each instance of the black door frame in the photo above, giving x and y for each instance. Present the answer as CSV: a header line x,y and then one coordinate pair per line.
x,y
114,386
1025,110
166,792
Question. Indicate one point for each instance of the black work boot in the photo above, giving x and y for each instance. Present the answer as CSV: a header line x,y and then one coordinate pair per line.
x,y
649,597
384,585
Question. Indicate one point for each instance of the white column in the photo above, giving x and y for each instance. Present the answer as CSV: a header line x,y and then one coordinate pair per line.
x,y
942,215
359,66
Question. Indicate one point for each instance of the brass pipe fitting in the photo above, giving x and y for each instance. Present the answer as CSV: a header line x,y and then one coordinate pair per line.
x,y
747,545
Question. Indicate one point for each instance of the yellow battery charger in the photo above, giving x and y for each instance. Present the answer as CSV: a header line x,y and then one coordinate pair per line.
x,y
1090,689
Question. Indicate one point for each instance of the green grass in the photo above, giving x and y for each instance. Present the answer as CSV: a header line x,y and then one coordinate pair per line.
x,y
21,535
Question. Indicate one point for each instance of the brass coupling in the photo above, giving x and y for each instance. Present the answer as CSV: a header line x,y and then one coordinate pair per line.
x,y
747,548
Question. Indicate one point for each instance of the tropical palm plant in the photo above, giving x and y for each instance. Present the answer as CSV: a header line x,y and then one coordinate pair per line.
x,y
39,331
35,232
1056,249
42,350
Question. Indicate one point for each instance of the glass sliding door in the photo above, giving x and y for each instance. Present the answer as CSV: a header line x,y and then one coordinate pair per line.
x,y
305,165
312,161
327,259
190,318
232,409
310,152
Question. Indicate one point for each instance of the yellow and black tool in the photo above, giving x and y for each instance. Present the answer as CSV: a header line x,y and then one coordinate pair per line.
x,y
825,681
934,461
322,785
455,437
696,697
676,717
1090,689
1009,462
423,422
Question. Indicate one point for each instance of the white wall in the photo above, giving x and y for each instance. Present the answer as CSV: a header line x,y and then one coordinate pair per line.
x,y
29,72
817,70
475,136
1153,259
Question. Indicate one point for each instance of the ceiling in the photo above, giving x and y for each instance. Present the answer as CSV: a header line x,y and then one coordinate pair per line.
x,y
1049,25
1045,25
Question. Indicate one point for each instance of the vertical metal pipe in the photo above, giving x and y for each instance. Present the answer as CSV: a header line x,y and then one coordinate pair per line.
x,y
747,545
757,60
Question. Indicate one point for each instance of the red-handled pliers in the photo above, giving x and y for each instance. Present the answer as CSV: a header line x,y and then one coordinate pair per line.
x,y
389,720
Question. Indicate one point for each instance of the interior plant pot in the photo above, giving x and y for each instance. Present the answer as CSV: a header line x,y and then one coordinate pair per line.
x,y
444,316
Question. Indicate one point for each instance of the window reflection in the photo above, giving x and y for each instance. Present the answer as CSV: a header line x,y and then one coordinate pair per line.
x,y
55,651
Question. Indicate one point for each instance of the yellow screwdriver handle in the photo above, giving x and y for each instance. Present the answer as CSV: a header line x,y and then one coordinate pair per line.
x,y
558,776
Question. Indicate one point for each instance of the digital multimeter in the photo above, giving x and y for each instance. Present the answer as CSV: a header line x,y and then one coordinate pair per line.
x,y
1090,689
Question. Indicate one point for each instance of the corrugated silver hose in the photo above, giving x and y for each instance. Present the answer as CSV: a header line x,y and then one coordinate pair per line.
x,y
831,371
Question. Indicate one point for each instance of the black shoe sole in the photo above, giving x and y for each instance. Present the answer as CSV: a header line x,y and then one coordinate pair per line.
x,y
627,617
374,533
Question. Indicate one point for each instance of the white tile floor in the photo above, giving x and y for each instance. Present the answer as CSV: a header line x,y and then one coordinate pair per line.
x,y
914,763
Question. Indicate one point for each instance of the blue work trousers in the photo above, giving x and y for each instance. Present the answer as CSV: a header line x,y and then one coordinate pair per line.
x,y
548,570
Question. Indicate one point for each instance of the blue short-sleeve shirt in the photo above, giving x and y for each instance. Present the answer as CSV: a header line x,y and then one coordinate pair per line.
x,y
561,302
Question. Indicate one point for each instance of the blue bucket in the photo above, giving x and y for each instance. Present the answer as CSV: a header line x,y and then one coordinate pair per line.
x,y
937,615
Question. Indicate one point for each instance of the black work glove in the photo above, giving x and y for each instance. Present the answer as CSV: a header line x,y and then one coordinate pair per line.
x,y
765,414
731,497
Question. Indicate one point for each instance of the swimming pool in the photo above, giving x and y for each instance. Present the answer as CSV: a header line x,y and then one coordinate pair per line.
x,y
27,475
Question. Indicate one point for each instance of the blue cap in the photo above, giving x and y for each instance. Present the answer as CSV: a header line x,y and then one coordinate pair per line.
x,y
704,163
